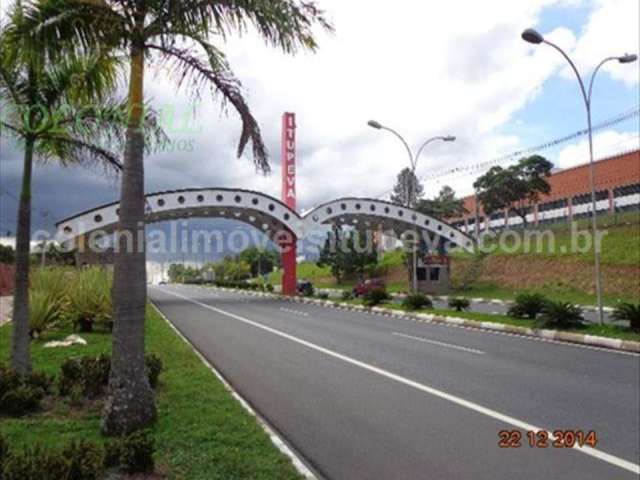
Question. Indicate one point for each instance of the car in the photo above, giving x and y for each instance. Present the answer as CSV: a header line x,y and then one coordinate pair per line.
x,y
365,286
304,287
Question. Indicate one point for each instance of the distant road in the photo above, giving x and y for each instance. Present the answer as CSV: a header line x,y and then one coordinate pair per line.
x,y
362,396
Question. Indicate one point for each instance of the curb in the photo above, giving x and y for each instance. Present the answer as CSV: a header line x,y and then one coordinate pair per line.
x,y
549,335
275,438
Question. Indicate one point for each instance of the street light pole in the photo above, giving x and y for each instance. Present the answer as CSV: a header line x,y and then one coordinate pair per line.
x,y
410,200
532,36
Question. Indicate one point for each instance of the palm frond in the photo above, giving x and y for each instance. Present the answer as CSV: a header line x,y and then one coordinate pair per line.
x,y
218,77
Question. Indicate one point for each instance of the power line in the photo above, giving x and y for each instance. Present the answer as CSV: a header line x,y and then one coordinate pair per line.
x,y
622,117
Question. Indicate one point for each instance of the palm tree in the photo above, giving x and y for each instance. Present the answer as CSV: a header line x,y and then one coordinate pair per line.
x,y
40,102
177,33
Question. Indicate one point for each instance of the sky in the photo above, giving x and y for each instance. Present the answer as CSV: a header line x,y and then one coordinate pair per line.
x,y
422,68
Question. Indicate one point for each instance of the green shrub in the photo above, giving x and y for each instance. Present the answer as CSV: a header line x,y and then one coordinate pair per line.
x,y
527,305
21,400
629,312
136,454
39,380
70,375
153,366
9,379
417,301
347,295
81,460
323,296
54,281
561,315
90,375
90,303
459,304
85,460
44,311
375,297
112,452
269,287
4,452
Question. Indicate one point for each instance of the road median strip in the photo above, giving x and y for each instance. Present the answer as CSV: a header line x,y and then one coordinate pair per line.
x,y
543,334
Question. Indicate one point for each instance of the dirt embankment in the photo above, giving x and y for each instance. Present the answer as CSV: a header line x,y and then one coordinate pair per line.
x,y
522,272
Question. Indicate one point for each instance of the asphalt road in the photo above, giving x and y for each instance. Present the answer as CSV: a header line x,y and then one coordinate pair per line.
x,y
362,396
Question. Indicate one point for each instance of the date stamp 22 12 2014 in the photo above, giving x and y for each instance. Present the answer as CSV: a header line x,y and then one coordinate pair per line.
x,y
545,439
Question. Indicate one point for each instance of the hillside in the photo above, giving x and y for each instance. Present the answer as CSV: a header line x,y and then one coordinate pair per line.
x,y
553,265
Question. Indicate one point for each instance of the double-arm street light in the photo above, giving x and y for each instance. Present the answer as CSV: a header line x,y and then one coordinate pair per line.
x,y
532,36
411,193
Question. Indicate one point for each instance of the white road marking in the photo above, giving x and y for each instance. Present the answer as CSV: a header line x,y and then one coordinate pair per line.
x,y
295,312
441,344
592,452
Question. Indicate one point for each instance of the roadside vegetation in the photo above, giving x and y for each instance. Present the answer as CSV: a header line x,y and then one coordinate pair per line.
x,y
50,419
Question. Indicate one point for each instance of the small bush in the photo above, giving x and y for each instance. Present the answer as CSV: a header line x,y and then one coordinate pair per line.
x,y
375,297
85,460
77,461
90,303
9,379
459,304
21,400
269,287
561,315
112,452
527,305
153,365
39,380
347,295
4,452
43,312
323,296
629,312
70,375
417,301
136,452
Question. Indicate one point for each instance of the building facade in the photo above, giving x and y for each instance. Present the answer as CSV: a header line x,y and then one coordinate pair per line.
x,y
617,182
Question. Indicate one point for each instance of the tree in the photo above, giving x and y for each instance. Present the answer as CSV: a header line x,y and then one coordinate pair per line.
x,y
178,35
407,189
444,206
44,108
261,261
347,253
515,188
7,254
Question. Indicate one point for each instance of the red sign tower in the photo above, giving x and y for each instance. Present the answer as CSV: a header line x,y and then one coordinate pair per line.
x,y
288,244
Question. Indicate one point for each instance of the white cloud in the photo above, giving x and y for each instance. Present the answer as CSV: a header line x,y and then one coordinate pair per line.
x,y
421,68
607,143
613,29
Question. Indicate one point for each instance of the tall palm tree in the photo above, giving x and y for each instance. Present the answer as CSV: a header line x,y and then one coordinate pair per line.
x,y
180,34
60,109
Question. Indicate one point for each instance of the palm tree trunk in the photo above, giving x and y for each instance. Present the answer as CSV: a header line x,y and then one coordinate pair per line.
x,y
130,404
20,347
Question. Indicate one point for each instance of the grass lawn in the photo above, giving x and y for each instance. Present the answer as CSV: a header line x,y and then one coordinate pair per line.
x,y
611,331
202,431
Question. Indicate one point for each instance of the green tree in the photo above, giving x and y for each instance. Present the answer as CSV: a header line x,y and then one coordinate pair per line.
x,y
407,189
177,34
7,254
261,261
232,269
444,206
58,107
347,253
515,188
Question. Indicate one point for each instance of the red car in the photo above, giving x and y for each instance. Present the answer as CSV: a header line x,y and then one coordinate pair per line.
x,y
366,286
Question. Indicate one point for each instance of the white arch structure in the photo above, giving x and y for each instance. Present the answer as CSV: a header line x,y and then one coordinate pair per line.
x,y
267,214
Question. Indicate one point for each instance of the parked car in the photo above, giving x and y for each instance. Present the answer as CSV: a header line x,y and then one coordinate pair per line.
x,y
305,288
366,286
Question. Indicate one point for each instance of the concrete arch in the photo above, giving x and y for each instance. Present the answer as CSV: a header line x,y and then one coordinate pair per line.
x,y
262,211
377,213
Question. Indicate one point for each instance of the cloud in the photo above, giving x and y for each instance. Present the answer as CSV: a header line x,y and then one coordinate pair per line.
x,y
605,144
612,30
423,68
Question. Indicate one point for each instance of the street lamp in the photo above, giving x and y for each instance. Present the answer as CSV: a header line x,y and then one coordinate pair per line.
x,y
532,36
413,159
